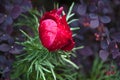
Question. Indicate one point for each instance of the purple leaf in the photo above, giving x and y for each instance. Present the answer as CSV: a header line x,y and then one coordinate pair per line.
x,y
4,37
105,19
26,5
116,36
107,10
9,29
7,38
93,16
8,7
82,9
4,47
1,33
17,1
115,53
16,11
104,44
84,19
86,51
16,49
7,69
103,54
2,18
114,50
112,45
94,23
117,2
92,8
8,20
101,3
2,59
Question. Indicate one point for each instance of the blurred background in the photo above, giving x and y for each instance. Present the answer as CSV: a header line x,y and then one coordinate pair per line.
x,y
99,33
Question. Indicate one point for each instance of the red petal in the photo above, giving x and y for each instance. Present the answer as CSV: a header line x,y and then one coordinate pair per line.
x,y
61,39
63,21
51,15
59,11
48,31
69,46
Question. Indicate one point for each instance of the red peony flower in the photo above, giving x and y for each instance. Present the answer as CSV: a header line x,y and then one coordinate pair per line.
x,y
54,31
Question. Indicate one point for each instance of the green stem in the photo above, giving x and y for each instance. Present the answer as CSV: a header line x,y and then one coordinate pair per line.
x,y
70,62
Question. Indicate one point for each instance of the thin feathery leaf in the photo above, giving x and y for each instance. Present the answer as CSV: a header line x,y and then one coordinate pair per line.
x,y
72,21
69,11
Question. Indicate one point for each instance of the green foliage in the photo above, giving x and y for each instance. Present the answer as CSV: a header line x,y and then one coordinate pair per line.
x,y
38,63
99,71
114,77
